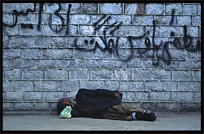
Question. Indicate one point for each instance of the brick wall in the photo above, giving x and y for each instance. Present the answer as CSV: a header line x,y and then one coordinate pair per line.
x,y
150,52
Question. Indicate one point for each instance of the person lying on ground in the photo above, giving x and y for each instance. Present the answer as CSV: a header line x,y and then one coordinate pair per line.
x,y
103,104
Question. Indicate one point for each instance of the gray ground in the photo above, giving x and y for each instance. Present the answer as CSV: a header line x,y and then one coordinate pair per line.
x,y
164,122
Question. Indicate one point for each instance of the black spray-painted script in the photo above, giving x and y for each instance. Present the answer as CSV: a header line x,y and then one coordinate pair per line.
x,y
112,46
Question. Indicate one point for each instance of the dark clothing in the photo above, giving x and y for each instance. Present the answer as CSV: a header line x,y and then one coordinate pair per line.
x,y
106,104
91,103
98,99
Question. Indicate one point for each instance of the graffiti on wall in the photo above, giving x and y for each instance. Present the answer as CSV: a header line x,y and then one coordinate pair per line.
x,y
112,45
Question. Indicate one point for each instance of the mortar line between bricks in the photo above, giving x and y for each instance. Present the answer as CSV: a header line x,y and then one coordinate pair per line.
x,y
180,83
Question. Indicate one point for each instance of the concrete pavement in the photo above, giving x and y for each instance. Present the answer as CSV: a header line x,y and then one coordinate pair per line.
x,y
184,122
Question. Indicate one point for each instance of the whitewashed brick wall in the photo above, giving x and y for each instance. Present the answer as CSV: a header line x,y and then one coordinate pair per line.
x,y
42,64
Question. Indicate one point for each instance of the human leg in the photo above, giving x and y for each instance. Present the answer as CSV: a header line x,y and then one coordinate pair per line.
x,y
116,116
128,112
141,114
118,112
145,115
134,108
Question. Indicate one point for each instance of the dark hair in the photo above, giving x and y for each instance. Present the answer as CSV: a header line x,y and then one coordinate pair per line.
x,y
61,106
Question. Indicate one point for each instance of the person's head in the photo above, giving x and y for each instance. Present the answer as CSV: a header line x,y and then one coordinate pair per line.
x,y
62,103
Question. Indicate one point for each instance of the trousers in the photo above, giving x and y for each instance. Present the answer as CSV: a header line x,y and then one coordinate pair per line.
x,y
122,111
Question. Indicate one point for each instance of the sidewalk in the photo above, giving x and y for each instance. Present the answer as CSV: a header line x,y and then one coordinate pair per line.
x,y
168,122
